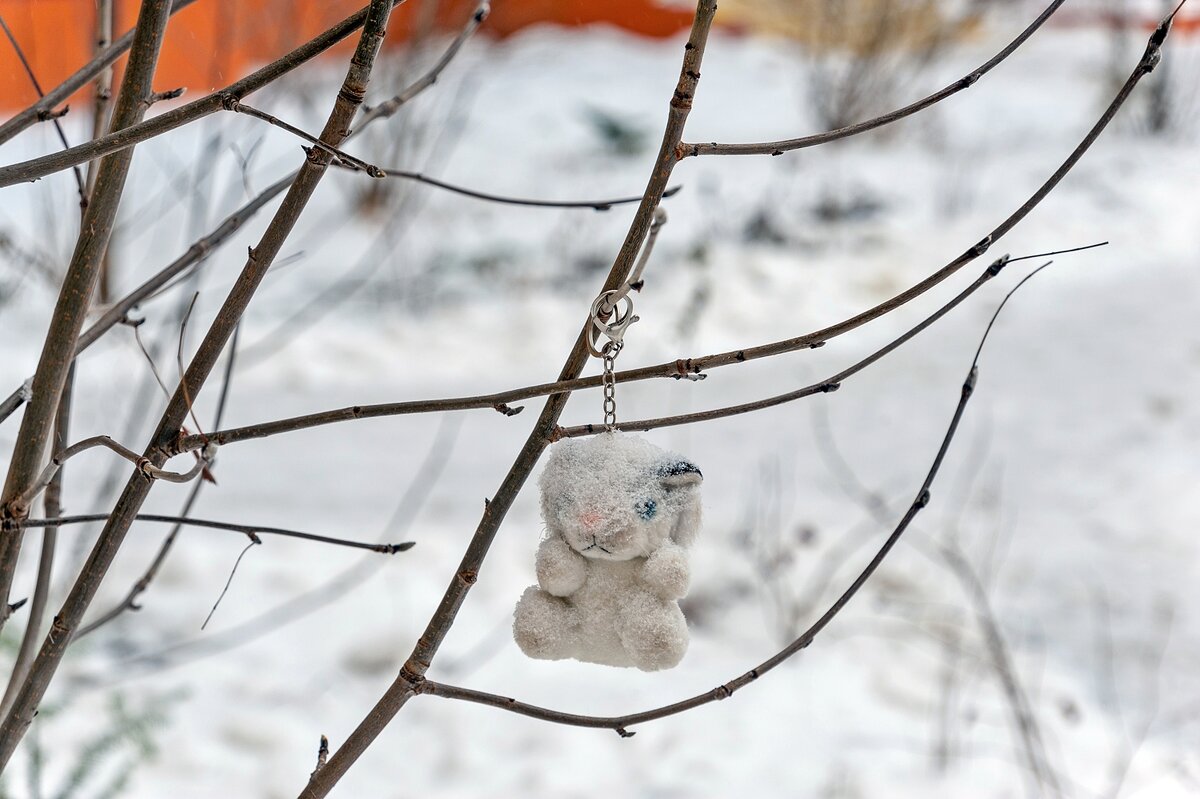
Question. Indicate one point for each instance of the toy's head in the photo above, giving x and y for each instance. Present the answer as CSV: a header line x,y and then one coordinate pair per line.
x,y
617,497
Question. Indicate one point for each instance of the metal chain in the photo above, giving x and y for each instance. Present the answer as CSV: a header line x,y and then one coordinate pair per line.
x,y
609,354
612,314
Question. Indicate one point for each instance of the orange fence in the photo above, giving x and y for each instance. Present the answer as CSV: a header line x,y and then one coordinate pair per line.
x,y
212,43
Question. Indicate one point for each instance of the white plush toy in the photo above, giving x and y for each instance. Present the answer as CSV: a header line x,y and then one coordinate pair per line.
x,y
620,514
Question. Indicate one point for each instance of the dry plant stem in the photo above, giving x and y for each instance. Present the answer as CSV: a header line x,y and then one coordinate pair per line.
x,y
222,99
45,573
1024,721
965,82
59,348
68,620
244,529
412,672
43,109
37,87
205,246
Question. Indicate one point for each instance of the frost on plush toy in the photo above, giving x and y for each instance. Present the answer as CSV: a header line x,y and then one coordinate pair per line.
x,y
620,514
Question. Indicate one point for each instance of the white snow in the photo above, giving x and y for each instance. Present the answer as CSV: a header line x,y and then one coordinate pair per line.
x,y
1071,486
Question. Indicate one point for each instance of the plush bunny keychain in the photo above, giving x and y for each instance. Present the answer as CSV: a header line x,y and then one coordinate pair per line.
x,y
620,514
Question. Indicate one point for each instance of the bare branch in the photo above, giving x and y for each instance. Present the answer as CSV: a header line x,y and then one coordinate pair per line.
x,y
244,529
254,541
965,82
355,164
595,205
103,89
676,369
431,76
412,673
43,109
22,503
343,158
58,128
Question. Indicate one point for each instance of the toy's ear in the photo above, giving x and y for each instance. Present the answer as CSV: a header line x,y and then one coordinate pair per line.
x,y
679,474
681,479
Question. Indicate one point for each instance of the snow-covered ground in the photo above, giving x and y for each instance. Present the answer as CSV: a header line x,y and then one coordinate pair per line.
x,y
1071,486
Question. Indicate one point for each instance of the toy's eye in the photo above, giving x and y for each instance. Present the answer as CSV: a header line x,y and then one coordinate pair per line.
x,y
646,509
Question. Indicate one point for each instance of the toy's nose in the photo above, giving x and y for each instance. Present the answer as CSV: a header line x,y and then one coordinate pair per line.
x,y
589,519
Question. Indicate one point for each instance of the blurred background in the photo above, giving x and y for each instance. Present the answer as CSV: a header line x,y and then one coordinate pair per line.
x,y
1037,631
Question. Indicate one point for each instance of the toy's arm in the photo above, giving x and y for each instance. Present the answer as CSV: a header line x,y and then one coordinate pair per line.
x,y
561,570
666,571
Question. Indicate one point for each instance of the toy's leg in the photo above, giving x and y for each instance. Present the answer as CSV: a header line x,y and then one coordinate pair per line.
x,y
545,626
653,632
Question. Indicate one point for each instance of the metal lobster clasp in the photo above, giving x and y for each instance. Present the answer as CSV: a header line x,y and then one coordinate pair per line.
x,y
612,314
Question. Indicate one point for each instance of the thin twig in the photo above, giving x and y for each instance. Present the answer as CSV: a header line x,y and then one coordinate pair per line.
x,y
183,386
595,205
1025,722
620,724
965,82
58,128
43,109
343,158
244,529
254,541
322,755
